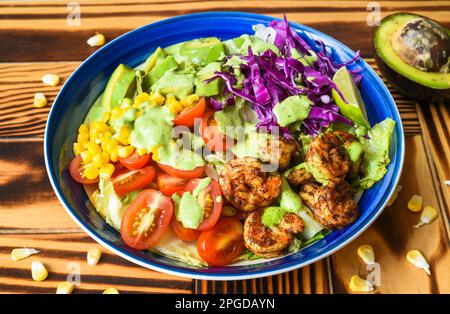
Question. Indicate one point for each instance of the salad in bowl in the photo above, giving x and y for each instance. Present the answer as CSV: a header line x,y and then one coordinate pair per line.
x,y
219,152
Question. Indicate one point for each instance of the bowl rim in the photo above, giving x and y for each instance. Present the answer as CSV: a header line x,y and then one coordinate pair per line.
x,y
191,273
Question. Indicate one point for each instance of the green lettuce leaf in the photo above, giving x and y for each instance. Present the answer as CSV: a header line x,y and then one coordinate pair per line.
x,y
376,157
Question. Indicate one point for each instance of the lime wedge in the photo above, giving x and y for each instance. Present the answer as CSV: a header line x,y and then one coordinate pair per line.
x,y
353,106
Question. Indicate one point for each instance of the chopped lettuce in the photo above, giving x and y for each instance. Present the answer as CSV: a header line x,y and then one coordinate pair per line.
x,y
376,157
295,245
108,204
319,236
173,247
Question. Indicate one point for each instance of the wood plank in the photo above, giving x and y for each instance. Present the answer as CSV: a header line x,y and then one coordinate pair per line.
x,y
435,120
392,235
309,279
27,200
19,82
58,251
40,32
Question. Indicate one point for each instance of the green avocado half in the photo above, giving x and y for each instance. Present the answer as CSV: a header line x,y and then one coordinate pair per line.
x,y
413,53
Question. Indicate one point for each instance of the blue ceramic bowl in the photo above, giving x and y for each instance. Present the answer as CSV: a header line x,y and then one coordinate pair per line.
x,y
89,80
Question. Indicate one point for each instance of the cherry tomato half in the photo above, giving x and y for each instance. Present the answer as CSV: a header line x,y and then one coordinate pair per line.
x,y
185,174
168,184
134,161
188,115
213,211
223,243
133,180
76,171
185,234
211,134
146,220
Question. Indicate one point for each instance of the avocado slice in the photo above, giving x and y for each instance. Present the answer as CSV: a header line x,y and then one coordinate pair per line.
x,y
176,84
121,84
212,88
161,67
154,57
420,69
202,51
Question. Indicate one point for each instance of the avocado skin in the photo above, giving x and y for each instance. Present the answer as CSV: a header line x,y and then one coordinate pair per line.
x,y
404,85
410,88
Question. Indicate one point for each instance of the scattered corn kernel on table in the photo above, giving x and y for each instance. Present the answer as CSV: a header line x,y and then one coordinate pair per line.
x,y
37,39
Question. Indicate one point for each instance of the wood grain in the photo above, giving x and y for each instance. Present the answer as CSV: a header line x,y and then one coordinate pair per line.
x,y
38,31
57,251
392,235
310,279
20,81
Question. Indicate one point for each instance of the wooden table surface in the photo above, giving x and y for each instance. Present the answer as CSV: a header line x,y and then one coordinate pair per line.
x,y
35,39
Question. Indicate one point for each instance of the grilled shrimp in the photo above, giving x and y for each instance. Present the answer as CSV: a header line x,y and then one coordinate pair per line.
x,y
347,139
281,151
270,242
246,186
332,205
327,154
299,176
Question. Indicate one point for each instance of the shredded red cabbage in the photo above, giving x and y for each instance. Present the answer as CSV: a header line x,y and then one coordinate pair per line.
x,y
270,78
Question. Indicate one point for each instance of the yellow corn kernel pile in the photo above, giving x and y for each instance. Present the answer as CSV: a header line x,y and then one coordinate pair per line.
x,y
176,106
97,148
415,203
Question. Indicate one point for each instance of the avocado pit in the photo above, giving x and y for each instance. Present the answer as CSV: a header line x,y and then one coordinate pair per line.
x,y
423,44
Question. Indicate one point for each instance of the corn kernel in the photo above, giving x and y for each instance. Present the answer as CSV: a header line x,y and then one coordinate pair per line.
x,y
415,203
141,151
91,173
86,156
189,101
38,271
417,259
366,253
154,151
50,79
358,284
157,99
105,117
39,100
111,291
173,105
114,156
19,254
64,288
428,215
83,138
94,133
125,151
93,256
394,195
106,171
124,135
96,40
109,145
83,129
97,161
94,148
141,98
100,125
77,148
